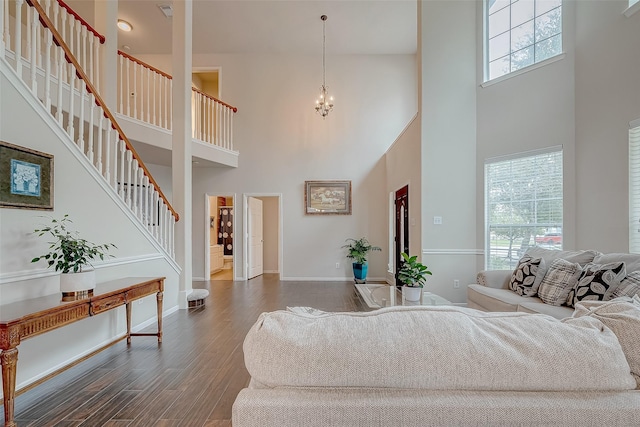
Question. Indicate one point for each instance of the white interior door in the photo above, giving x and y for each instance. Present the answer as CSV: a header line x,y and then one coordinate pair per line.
x,y
256,242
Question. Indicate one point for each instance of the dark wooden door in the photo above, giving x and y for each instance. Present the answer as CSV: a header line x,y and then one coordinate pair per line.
x,y
401,237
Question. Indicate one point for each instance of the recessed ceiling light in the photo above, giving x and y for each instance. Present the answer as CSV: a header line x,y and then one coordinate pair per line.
x,y
124,25
126,47
166,9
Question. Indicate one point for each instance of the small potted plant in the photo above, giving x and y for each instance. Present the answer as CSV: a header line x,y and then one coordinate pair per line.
x,y
357,250
72,256
412,274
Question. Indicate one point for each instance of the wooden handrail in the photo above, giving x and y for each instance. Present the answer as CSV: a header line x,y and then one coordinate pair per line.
x,y
44,19
235,110
82,21
144,64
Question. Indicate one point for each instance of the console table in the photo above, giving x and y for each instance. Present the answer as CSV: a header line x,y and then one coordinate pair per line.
x,y
26,319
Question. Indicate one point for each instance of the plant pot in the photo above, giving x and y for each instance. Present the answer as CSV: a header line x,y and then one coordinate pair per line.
x,y
360,271
77,284
411,293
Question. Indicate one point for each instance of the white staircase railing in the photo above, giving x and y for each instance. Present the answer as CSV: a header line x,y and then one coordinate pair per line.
x,y
212,120
144,92
54,76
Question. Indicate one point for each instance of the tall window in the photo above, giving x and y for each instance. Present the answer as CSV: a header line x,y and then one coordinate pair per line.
x,y
520,33
523,203
634,187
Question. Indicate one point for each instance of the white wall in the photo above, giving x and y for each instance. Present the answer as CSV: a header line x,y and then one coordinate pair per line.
x,y
283,142
96,216
448,134
607,82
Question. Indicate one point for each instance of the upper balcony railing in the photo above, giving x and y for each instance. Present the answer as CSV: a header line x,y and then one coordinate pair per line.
x,y
145,94
53,74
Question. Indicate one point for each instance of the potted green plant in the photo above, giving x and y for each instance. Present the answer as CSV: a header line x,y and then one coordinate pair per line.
x,y
71,255
357,250
412,274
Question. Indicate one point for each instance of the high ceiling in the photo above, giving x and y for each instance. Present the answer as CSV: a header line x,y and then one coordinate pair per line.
x,y
268,26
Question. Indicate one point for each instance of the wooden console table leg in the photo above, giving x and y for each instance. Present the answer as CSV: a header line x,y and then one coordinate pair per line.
x,y
9,360
128,308
159,297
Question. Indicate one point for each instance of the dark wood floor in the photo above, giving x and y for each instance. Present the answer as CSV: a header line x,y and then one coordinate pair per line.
x,y
192,378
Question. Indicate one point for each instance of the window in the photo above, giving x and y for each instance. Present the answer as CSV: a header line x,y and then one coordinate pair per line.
x,y
634,187
520,33
523,205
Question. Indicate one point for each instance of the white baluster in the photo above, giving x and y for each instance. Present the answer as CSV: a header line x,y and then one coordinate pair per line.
x,y
72,84
92,65
120,82
5,41
114,167
134,193
127,95
60,71
155,213
173,237
226,127
153,98
84,55
92,113
47,69
123,150
231,132
101,135
107,152
147,92
169,104
104,146
144,199
129,183
97,65
18,38
83,88
160,222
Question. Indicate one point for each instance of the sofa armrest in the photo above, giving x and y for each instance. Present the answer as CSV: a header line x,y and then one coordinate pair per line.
x,y
494,278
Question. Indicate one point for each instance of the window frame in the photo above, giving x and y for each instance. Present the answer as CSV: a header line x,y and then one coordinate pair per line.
x,y
488,225
487,80
634,186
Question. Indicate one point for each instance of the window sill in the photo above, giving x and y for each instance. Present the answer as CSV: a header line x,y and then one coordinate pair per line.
x,y
526,69
631,10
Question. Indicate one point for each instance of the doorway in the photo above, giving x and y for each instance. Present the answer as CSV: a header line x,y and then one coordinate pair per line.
x,y
219,241
262,248
401,235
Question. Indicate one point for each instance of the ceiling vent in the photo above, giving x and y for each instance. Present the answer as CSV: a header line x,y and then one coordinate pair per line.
x,y
166,9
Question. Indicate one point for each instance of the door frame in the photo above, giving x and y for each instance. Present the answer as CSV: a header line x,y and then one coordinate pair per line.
x,y
245,232
394,227
207,234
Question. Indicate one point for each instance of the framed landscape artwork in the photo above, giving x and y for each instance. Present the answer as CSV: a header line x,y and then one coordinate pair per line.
x,y
327,197
26,178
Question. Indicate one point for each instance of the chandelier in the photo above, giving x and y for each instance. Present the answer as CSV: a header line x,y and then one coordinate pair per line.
x,y
325,103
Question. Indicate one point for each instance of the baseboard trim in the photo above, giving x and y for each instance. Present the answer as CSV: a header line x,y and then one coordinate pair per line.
x,y
453,252
330,279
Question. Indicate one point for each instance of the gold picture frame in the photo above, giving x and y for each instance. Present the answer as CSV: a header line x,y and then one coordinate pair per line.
x,y
327,197
26,178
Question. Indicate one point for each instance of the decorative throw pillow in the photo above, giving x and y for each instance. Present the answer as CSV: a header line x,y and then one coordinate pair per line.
x,y
527,276
597,282
629,286
560,279
622,316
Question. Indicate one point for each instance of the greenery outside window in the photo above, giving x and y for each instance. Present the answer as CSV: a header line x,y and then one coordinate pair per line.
x,y
523,205
634,187
520,33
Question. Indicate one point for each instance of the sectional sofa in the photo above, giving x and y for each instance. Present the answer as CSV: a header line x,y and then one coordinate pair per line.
x,y
492,291
437,366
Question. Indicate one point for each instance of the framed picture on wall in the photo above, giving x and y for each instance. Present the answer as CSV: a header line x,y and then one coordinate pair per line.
x,y
26,178
327,197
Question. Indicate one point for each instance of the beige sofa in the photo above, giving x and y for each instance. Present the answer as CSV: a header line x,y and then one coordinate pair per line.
x,y
492,292
435,366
